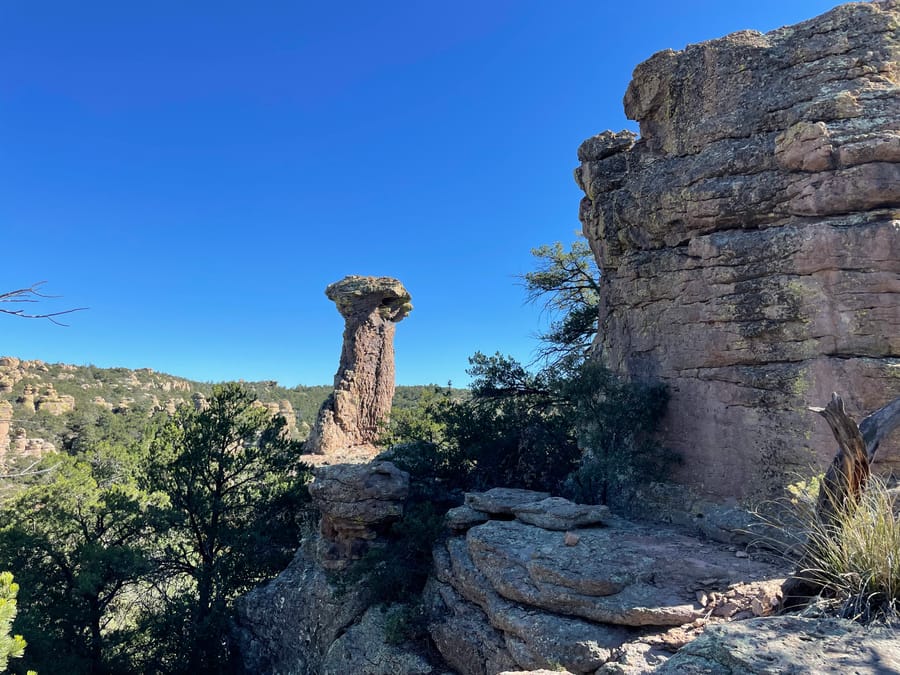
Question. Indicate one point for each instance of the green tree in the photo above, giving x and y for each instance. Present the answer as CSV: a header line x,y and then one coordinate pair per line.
x,y
78,537
567,284
235,486
11,646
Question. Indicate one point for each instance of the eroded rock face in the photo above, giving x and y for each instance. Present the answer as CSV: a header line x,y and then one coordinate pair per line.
x,y
364,383
300,622
750,240
356,502
510,595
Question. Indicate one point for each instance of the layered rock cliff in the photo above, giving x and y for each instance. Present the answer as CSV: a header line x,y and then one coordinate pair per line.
x,y
749,240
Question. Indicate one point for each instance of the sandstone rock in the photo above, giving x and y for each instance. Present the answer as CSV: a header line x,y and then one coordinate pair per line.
x,y
288,625
749,240
552,605
355,501
6,413
9,362
461,518
621,576
364,382
362,650
502,501
462,633
556,513
533,638
789,645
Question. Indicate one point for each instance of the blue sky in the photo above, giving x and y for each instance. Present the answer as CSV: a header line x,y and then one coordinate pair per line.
x,y
197,172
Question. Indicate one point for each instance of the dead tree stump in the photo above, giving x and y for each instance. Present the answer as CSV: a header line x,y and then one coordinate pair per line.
x,y
847,476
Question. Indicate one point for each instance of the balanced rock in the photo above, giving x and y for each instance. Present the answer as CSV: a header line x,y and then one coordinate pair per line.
x,y
364,382
750,242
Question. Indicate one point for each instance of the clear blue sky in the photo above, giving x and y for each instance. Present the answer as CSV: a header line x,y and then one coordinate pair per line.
x,y
197,172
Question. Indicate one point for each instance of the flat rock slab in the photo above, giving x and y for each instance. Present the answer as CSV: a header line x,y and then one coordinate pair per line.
x,y
556,513
502,501
632,576
463,517
789,645
535,638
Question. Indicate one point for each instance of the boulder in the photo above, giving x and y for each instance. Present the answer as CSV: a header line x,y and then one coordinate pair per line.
x,y
461,518
364,650
287,625
585,606
749,241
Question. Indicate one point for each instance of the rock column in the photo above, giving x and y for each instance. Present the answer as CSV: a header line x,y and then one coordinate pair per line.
x,y
364,383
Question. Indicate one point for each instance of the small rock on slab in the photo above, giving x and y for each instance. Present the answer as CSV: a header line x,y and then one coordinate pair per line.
x,y
502,501
556,513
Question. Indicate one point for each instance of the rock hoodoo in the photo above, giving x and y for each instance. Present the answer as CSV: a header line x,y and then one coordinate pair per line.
x,y
364,383
749,240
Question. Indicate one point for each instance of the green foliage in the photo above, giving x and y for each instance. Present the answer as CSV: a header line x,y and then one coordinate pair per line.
x,y
566,282
575,427
131,552
854,558
77,537
397,571
11,646
406,623
614,421
235,486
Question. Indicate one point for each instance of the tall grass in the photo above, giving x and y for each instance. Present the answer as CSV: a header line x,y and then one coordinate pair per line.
x,y
855,556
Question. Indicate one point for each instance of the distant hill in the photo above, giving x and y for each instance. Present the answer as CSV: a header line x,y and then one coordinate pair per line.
x,y
42,405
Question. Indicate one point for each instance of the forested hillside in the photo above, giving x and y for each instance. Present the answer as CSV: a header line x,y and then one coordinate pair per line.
x,y
45,406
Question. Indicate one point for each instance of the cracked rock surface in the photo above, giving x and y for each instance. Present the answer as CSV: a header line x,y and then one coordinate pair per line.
x,y
749,240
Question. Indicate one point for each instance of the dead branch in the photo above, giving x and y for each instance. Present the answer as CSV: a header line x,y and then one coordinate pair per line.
x,y
32,294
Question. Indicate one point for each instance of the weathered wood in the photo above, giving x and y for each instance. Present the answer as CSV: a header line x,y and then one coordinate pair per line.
x,y
846,478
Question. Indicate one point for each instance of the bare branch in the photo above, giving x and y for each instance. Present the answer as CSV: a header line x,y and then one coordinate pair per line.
x,y
32,294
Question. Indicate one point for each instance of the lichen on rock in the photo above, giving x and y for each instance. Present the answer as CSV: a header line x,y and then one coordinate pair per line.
x,y
749,240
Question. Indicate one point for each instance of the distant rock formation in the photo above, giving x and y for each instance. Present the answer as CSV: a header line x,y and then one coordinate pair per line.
x,y
364,383
749,240
6,413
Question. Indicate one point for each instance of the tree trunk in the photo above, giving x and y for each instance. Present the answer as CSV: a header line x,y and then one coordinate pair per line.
x,y
846,478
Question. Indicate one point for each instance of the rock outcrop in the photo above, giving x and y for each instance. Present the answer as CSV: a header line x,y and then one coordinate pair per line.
x,y
356,502
510,594
300,622
364,383
789,644
749,240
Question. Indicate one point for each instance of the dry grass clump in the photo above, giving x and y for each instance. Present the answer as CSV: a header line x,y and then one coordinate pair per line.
x,y
854,557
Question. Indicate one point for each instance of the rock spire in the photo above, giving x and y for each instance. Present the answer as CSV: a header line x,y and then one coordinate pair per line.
x,y
364,382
